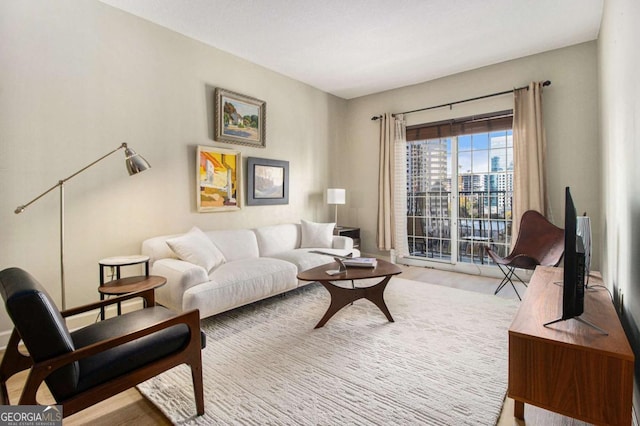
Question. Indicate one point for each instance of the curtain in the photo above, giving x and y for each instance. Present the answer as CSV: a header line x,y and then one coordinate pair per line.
x,y
401,246
392,186
529,150
385,238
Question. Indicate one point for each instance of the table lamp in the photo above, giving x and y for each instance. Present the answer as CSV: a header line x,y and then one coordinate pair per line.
x,y
336,196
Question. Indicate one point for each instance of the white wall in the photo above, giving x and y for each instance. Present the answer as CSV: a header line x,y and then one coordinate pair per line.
x,y
618,64
570,114
80,77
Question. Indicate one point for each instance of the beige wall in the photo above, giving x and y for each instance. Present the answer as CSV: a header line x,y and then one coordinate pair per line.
x,y
570,113
618,64
77,79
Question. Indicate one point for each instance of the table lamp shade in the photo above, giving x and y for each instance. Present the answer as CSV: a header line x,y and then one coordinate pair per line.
x,y
336,196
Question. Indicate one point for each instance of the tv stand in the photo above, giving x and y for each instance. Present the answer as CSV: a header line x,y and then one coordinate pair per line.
x,y
584,321
569,368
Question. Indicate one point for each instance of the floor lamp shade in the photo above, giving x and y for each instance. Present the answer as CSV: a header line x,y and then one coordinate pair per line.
x,y
336,196
135,164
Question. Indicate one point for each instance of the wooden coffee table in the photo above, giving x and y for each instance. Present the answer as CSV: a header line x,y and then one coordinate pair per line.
x,y
342,296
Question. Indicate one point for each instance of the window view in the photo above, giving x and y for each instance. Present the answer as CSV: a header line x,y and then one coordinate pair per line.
x,y
459,194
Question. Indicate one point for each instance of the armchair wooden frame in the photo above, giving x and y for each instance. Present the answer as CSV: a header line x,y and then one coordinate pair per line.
x,y
14,361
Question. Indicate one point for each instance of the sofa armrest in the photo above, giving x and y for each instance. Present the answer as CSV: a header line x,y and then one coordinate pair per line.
x,y
180,276
342,242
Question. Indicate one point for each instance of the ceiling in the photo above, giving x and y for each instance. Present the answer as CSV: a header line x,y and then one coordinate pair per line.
x,y
352,48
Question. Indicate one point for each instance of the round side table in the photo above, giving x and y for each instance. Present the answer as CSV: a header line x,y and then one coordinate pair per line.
x,y
119,261
129,285
126,285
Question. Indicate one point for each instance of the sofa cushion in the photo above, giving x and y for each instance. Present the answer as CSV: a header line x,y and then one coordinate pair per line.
x,y
157,248
126,358
240,282
196,248
235,244
278,238
305,258
317,235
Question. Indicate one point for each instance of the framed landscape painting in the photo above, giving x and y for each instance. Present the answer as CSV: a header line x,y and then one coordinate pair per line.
x,y
240,119
267,182
218,179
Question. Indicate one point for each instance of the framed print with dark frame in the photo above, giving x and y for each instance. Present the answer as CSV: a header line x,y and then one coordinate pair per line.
x,y
218,179
240,119
267,182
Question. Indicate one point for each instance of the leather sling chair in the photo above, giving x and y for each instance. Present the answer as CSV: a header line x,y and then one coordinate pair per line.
x,y
539,242
86,366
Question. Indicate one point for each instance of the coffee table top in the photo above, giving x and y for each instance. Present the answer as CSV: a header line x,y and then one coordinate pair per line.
x,y
131,284
382,269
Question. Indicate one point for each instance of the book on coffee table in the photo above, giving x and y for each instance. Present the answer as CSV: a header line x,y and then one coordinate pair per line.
x,y
360,262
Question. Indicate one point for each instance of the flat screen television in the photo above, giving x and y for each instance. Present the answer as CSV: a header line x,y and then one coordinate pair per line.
x,y
573,282
574,263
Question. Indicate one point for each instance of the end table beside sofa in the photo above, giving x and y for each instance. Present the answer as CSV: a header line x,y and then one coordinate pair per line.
x,y
118,285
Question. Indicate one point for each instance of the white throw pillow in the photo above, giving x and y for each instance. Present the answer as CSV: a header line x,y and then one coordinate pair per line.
x,y
317,235
195,247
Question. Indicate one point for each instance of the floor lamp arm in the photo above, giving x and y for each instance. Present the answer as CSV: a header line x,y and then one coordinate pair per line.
x,y
60,185
123,146
61,182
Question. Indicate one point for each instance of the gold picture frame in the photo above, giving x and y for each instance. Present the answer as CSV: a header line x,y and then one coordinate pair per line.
x,y
218,179
240,119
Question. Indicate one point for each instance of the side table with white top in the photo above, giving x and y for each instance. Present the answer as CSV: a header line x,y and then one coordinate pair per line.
x,y
119,285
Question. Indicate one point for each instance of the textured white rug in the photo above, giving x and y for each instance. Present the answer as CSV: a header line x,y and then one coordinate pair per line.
x,y
443,361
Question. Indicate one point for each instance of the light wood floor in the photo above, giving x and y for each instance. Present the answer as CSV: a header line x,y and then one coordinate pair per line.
x,y
130,407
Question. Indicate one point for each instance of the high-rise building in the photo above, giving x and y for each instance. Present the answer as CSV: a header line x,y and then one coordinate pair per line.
x,y
426,164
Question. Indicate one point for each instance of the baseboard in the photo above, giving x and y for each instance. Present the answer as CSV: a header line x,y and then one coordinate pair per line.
x,y
84,319
463,268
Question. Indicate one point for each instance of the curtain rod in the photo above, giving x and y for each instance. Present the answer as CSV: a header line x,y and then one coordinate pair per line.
x,y
450,104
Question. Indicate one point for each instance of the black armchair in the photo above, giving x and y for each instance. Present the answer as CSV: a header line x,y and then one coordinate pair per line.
x,y
86,366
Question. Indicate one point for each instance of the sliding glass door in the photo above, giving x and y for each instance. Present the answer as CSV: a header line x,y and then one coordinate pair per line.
x,y
459,195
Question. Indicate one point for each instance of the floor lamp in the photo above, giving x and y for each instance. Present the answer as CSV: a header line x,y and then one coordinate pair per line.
x,y
135,164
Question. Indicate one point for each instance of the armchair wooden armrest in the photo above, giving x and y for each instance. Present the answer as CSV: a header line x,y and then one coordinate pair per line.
x,y
15,361
147,295
83,367
40,371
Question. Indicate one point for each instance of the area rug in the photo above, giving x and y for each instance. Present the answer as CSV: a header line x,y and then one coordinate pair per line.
x,y
442,362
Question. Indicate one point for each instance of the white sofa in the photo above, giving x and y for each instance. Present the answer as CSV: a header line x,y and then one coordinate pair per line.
x,y
215,271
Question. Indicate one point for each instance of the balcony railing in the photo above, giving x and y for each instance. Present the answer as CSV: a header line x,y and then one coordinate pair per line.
x,y
483,217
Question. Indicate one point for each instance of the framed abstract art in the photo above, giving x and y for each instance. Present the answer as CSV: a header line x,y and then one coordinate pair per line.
x,y
219,174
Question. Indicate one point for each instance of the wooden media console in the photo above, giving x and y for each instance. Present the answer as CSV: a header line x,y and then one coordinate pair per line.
x,y
569,367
